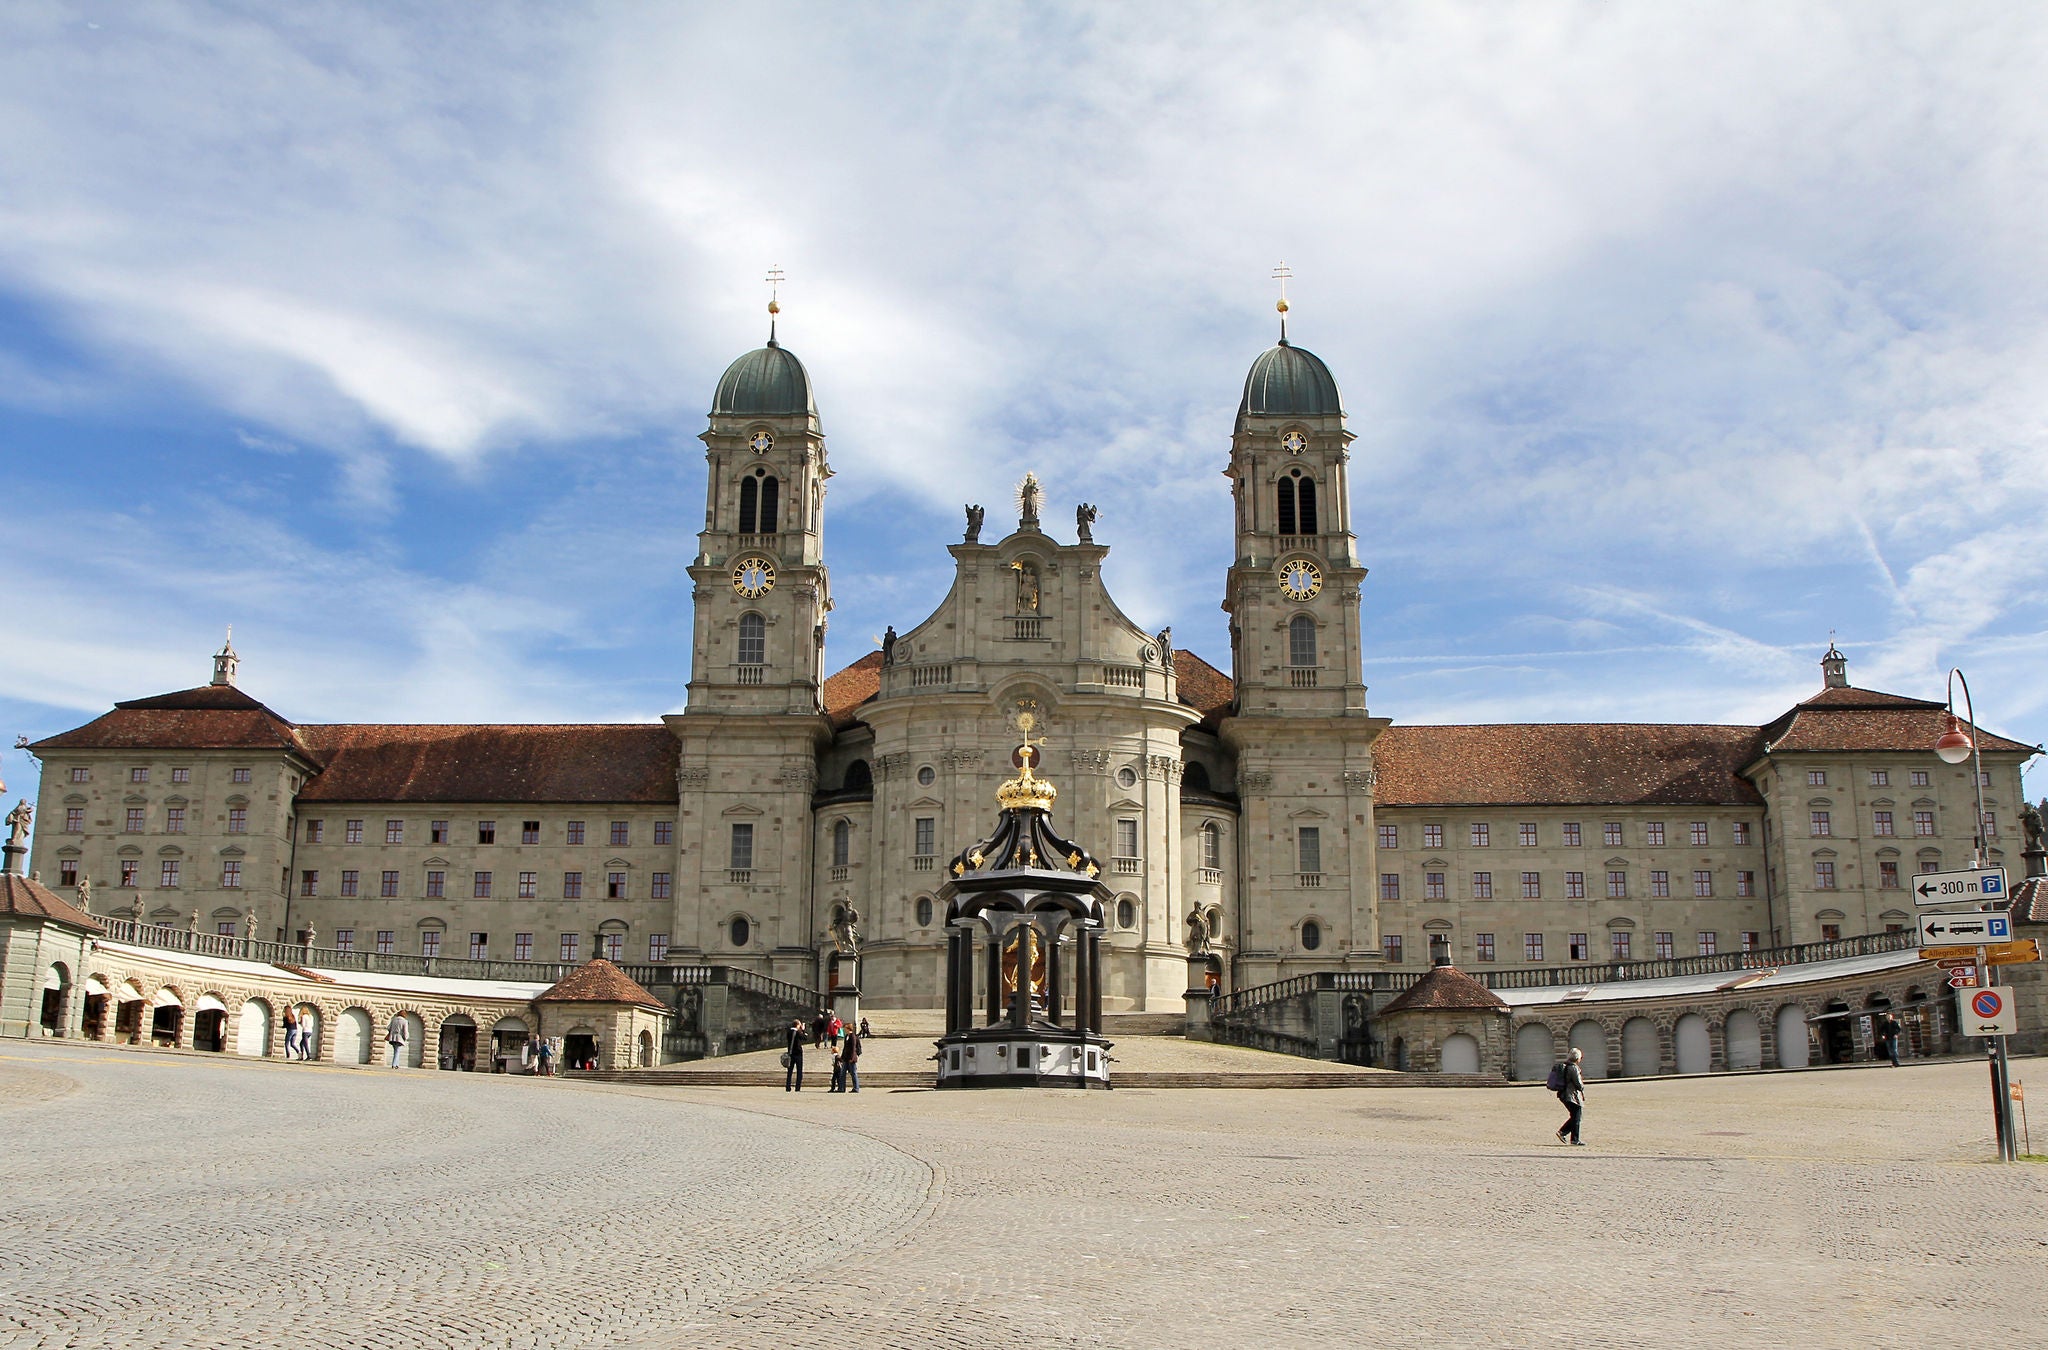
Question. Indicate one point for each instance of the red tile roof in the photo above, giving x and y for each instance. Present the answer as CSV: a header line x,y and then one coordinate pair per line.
x,y
546,763
2030,902
211,717
1444,987
1847,719
1202,687
851,687
1564,764
599,981
30,899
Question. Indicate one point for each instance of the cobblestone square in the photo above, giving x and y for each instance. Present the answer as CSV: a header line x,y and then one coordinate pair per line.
x,y
160,1200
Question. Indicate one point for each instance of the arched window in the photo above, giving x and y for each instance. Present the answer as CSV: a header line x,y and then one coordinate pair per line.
x,y
1301,641
1212,846
859,778
842,842
1195,777
1287,506
1306,510
739,930
760,495
924,911
753,640
750,494
770,491
1311,935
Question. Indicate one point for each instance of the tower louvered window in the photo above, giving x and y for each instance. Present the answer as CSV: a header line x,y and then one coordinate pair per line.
x,y
1287,506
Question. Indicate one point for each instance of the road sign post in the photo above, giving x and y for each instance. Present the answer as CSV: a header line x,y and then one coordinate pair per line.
x,y
1972,927
1971,885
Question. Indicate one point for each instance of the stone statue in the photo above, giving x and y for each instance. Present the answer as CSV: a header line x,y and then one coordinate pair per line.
x,y
889,645
1027,588
1030,497
1198,933
974,514
312,935
1084,523
17,823
1165,640
2030,826
846,933
85,894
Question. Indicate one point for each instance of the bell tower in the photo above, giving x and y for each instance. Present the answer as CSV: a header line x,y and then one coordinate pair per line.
x,y
762,591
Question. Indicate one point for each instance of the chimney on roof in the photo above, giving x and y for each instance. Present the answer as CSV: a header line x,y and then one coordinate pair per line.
x,y
1834,668
225,661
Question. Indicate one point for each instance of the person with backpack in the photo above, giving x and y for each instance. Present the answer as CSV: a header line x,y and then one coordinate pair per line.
x,y
1569,1083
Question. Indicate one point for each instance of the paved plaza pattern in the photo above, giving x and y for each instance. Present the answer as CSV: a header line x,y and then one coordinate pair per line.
x,y
161,1200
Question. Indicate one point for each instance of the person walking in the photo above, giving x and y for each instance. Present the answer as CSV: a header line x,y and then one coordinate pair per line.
x,y
793,1056
395,1037
547,1057
1572,1092
818,1026
849,1061
291,1033
1888,1037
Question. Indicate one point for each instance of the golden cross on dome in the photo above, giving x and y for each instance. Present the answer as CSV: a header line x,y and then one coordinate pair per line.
x,y
1281,274
776,276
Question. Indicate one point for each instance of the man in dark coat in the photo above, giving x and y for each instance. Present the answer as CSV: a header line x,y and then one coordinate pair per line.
x,y
793,1057
1573,1095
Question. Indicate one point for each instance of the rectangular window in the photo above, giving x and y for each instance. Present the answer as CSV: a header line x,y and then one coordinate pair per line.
x,y
1525,834
129,872
167,874
394,831
1709,943
1532,946
660,887
238,820
437,831
1660,884
388,886
1390,947
1923,822
1532,886
1482,885
1740,829
1482,836
430,945
309,882
1818,825
479,946
1831,932
487,831
231,873
1617,943
622,834
1571,834
344,939
1664,947
1610,833
1816,778
352,832
1579,949
81,775
1880,778
1881,823
926,837
570,943
529,885
437,885
522,946
1918,778
1653,834
1984,778
1617,885
480,886
1887,875
1212,846
529,832
575,832
1433,887
657,946
316,831
181,775
1390,836
664,835
74,820
1745,884
138,819
350,880
138,775
1432,836
1485,946
1990,825
572,885
1309,841
384,941
742,854
241,775
174,820
1127,839
1702,883
1390,885
1575,885
615,885
1697,832
224,928
1823,875
1752,941
611,946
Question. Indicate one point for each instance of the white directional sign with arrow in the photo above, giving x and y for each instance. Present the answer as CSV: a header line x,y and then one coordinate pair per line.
x,y
1976,884
1949,930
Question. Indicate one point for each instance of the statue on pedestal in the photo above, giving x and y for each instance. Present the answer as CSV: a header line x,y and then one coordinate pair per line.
x,y
17,824
1198,933
974,514
1084,523
846,933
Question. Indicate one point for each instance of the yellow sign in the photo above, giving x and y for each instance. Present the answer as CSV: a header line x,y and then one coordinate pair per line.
x,y
2023,952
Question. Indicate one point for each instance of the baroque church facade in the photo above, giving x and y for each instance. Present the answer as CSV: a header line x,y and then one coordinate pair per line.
x,y
1262,814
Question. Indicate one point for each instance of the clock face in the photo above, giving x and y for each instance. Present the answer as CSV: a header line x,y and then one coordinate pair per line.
x,y
1294,442
753,577
1300,579
761,442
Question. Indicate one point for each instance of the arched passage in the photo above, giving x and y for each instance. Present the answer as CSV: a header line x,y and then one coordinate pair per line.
x,y
1692,1046
56,998
252,1035
352,1037
1744,1037
1460,1054
1795,1050
1589,1038
1641,1055
1535,1052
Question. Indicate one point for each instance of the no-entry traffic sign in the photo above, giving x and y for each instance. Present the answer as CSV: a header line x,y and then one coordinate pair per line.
x,y
1985,1012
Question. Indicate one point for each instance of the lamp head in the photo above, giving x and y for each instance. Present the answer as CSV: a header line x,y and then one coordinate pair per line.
x,y
1954,745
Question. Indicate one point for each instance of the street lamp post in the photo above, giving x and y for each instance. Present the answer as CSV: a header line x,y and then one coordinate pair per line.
x,y
1953,747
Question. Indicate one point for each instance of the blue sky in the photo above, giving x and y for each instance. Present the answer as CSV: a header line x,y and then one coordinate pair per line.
x,y
1675,338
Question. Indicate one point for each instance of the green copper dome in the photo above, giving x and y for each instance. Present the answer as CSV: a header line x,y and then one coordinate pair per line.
x,y
1287,381
767,382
